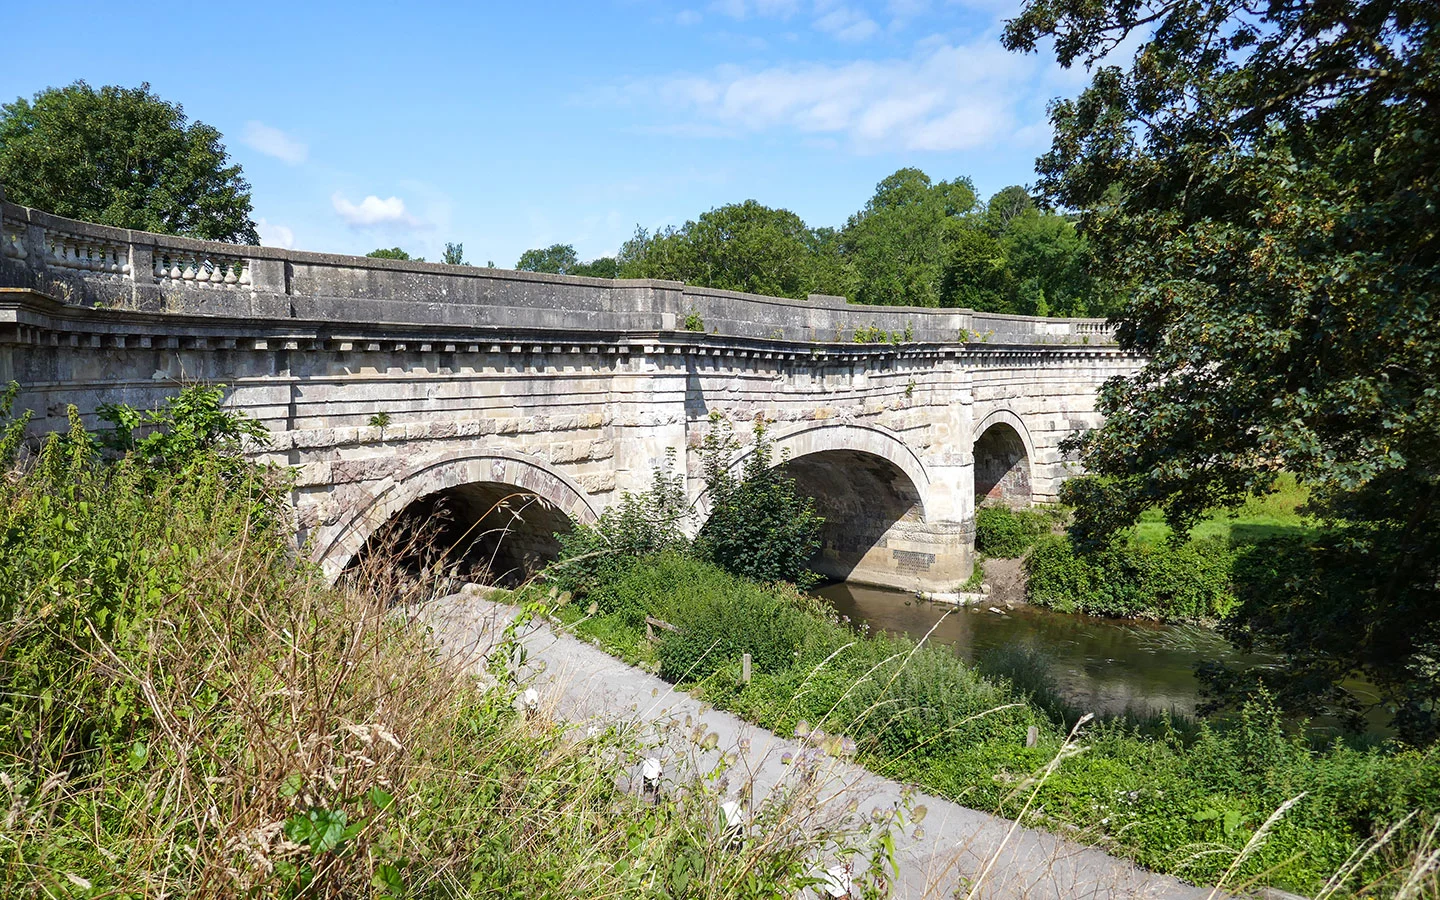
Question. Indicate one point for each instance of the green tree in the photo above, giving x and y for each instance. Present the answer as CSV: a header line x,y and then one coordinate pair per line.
x,y
759,527
977,273
557,259
898,243
392,253
122,157
739,247
1049,263
1005,206
833,272
454,255
602,267
1267,177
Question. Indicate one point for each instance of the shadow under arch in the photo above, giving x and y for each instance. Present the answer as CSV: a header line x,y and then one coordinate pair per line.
x,y
503,506
866,482
1003,456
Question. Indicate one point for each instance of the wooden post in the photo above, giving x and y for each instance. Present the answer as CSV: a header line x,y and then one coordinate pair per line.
x,y
1032,737
745,669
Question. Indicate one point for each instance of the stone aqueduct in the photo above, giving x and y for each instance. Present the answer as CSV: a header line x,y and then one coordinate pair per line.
x,y
572,389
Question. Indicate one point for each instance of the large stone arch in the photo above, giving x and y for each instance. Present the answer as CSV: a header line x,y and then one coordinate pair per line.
x,y
1004,459
335,545
820,437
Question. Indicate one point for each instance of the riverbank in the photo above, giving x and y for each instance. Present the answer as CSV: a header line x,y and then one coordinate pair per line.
x,y
1197,806
186,711
942,850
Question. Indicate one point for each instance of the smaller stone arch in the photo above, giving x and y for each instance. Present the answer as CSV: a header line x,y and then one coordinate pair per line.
x,y
335,545
1003,457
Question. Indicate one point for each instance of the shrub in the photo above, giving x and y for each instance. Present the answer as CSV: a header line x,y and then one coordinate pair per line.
x,y
1187,583
718,628
1006,533
759,527
639,525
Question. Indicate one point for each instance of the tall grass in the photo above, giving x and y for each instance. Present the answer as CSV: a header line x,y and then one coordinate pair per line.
x,y
186,710
1194,800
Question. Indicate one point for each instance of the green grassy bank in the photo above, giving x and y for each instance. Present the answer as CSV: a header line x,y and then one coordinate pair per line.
x,y
1191,804
185,711
1144,574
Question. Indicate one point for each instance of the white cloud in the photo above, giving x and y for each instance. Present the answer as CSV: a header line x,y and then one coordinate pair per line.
x,y
946,97
273,234
274,142
908,8
743,9
846,23
688,17
373,211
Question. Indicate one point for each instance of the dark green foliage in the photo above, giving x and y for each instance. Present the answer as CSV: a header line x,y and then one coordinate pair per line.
x,y
557,259
738,247
1007,533
916,243
593,555
603,267
454,255
1191,582
393,253
12,428
758,526
897,242
1266,181
731,617
977,272
122,157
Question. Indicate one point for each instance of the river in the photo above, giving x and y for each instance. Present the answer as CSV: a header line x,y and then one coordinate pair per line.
x,y
1100,665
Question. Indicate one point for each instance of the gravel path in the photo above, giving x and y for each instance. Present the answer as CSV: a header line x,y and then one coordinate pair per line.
x,y
580,683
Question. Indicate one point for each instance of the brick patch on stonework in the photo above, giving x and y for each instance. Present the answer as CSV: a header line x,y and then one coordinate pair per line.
x,y
913,560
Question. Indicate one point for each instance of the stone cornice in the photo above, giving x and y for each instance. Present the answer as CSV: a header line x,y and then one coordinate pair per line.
x,y
28,317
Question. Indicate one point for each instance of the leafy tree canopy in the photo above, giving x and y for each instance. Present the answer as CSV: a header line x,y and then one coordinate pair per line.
x,y
603,267
122,157
1264,179
740,247
393,253
898,241
557,259
454,255
916,242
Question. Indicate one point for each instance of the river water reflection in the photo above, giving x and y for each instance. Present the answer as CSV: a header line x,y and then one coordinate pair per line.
x,y
1100,665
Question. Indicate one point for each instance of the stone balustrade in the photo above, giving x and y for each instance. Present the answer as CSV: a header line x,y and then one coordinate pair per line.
x,y
95,265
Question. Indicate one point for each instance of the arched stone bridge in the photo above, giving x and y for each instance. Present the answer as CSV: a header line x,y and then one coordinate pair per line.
x,y
491,383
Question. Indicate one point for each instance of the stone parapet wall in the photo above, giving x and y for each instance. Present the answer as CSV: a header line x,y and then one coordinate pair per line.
x,y
85,264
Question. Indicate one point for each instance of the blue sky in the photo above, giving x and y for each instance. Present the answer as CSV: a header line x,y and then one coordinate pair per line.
x,y
517,125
